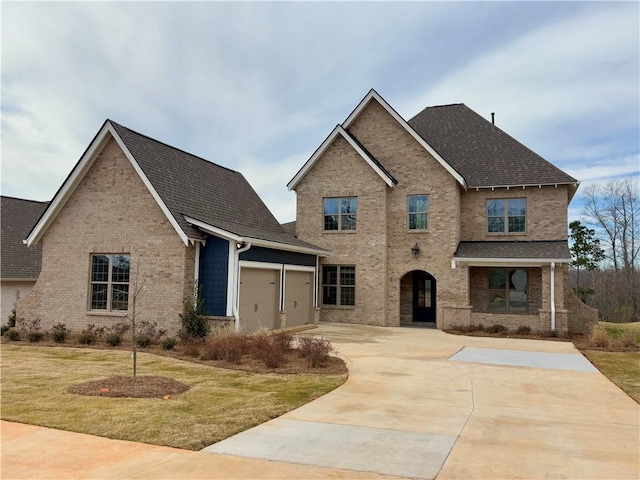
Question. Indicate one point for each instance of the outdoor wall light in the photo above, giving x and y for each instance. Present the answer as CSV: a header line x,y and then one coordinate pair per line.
x,y
415,250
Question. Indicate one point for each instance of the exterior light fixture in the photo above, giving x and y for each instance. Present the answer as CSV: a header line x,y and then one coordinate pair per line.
x,y
415,250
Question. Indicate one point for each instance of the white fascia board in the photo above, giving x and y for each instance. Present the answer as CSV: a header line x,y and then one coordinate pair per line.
x,y
260,265
69,186
509,262
218,232
374,95
181,233
256,242
338,130
526,185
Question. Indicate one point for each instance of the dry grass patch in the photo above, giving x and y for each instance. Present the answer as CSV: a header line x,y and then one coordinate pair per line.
x,y
622,368
218,404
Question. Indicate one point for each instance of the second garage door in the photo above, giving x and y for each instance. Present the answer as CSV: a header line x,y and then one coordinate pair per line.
x,y
298,297
259,293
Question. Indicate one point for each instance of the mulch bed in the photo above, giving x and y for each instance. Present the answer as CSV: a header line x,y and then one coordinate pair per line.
x,y
145,386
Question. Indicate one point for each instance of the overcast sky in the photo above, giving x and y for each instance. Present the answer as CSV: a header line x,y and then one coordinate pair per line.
x,y
257,87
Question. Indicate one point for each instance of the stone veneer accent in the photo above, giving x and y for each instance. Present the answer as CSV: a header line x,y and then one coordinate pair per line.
x,y
111,211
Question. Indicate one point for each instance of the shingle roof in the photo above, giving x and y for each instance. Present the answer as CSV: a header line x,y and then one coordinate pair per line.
x,y
544,250
194,187
17,217
482,153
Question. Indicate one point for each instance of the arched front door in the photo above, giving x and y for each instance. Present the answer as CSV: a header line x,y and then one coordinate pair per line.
x,y
424,297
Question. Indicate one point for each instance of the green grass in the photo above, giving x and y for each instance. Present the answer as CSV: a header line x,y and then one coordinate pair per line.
x,y
616,330
218,404
622,368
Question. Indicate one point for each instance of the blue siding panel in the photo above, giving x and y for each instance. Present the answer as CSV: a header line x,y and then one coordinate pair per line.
x,y
270,255
214,264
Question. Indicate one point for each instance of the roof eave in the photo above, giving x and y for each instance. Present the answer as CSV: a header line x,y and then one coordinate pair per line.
x,y
509,262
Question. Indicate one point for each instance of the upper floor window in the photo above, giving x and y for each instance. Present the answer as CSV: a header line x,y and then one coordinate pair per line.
x,y
418,212
110,282
340,213
339,285
506,215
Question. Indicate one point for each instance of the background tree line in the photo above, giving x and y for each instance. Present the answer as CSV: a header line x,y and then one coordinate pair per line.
x,y
606,251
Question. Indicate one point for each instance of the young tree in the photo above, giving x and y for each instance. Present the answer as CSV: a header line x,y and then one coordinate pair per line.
x,y
586,252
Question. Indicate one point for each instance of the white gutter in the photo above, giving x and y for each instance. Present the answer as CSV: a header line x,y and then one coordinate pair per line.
x,y
236,285
553,296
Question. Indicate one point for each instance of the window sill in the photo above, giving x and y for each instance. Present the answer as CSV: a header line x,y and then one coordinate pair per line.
x,y
508,234
339,307
334,232
415,230
107,313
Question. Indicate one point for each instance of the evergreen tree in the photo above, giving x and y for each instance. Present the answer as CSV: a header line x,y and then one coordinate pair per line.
x,y
586,252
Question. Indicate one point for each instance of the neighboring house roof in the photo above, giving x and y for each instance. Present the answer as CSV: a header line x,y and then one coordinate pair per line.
x,y
483,154
194,194
17,218
534,251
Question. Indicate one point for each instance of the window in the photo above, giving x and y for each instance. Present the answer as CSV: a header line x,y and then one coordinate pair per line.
x,y
507,291
507,215
418,212
110,282
340,213
339,285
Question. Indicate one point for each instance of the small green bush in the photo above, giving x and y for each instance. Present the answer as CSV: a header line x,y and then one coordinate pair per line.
x,y
13,334
169,343
113,339
194,322
144,340
35,337
59,333
496,329
3,329
87,338
523,330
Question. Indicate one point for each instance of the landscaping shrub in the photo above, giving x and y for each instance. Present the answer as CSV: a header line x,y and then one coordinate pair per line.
x,y
3,329
523,330
113,339
149,332
59,333
13,334
35,337
283,339
169,343
194,322
144,340
227,345
121,328
628,339
314,350
600,338
270,348
496,329
12,318
192,347
87,338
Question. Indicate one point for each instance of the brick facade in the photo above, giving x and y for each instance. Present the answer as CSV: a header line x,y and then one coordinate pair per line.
x,y
111,211
380,248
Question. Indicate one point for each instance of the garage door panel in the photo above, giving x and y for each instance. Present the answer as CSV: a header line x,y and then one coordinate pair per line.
x,y
259,292
298,297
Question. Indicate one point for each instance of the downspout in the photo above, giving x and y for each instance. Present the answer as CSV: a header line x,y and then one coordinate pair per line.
x,y
553,296
236,286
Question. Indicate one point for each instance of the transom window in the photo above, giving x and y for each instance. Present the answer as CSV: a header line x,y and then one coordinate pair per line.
x,y
339,285
340,213
507,291
506,216
110,282
418,212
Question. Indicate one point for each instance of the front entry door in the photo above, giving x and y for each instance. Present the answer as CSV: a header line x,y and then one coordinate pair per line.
x,y
424,297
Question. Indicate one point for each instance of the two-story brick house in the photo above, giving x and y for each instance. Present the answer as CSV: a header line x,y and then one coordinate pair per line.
x,y
444,219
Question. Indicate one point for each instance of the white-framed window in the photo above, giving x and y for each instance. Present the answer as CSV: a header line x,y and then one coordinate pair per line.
x,y
109,282
339,285
506,215
340,213
418,208
507,291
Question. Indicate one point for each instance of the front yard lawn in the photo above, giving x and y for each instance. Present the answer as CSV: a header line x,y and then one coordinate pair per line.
x,y
622,368
218,404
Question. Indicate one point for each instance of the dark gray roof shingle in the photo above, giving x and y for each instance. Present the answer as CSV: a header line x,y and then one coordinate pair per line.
x,y
544,250
482,153
194,187
17,218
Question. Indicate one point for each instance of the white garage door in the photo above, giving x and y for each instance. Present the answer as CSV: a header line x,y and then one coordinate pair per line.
x,y
259,291
298,297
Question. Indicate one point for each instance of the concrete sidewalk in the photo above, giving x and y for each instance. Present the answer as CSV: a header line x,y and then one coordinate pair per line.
x,y
417,404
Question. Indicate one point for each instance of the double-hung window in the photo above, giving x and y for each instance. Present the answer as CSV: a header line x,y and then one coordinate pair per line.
x,y
418,212
507,291
340,213
339,285
506,215
110,282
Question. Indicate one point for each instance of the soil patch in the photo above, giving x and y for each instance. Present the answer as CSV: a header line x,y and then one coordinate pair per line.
x,y
145,386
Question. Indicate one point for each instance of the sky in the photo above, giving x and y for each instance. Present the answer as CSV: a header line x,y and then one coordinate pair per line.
x,y
257,86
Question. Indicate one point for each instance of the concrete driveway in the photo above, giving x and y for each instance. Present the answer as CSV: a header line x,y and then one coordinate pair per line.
x,y
418,404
